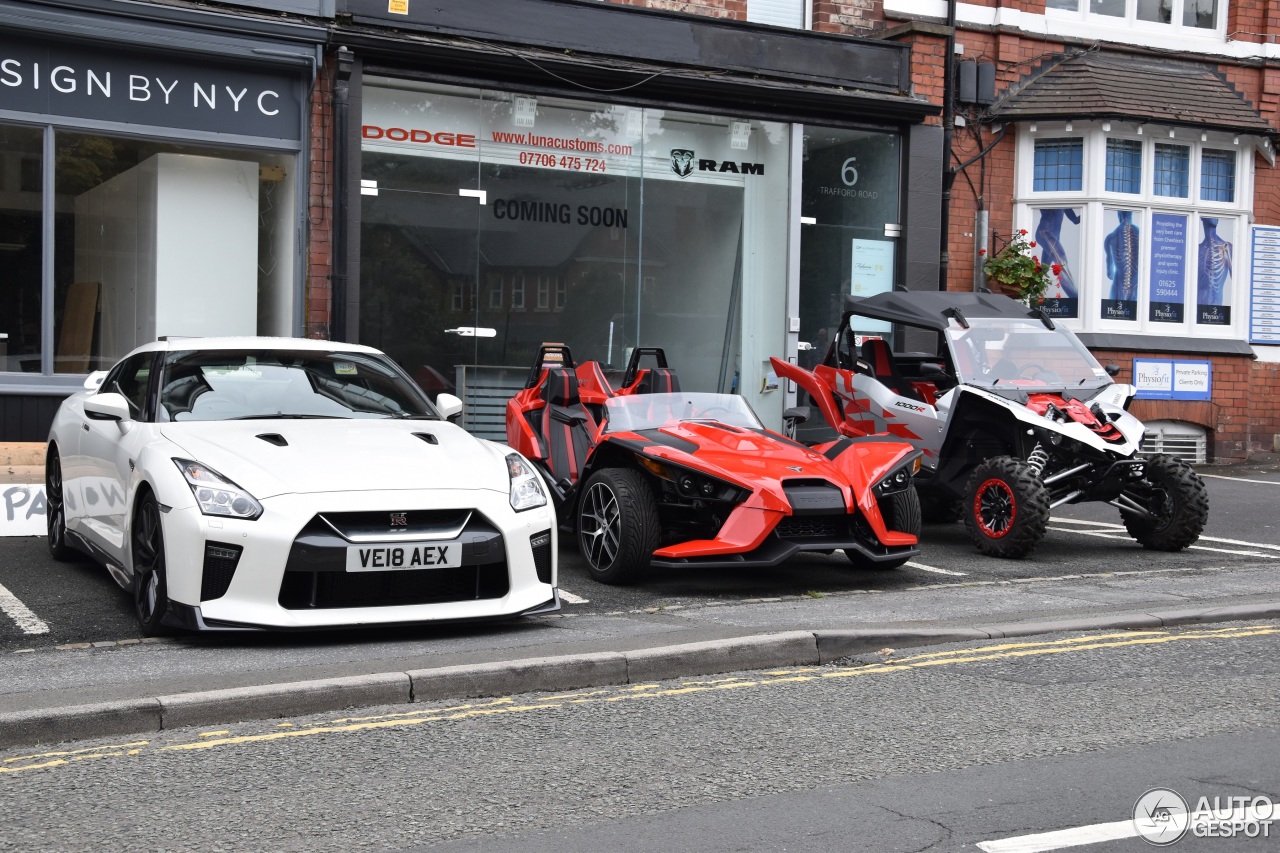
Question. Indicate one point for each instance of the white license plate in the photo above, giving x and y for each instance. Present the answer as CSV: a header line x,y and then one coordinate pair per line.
x,y
415,555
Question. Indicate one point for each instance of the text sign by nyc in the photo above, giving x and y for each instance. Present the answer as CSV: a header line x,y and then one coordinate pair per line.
x,y
133,87
1264,285
1165,379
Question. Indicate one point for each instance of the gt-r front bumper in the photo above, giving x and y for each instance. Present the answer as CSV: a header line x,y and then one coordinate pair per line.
x,y
289,568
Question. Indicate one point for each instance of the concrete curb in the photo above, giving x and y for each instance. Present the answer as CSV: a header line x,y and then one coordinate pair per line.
x,y
567,672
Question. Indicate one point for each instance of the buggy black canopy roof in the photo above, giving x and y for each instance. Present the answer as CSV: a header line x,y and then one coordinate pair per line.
x,y
934,309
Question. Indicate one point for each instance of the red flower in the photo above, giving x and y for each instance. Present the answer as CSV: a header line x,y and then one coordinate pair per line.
x,y
1057,269
1032,244
982,251
1040,300
1023,232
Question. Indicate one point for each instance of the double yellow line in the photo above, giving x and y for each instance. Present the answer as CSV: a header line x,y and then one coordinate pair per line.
x,y
507,705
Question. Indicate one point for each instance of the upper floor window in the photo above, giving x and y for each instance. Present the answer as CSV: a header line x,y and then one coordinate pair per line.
x,y
1181,14
1172,170
1059,165
1217,175
1124,166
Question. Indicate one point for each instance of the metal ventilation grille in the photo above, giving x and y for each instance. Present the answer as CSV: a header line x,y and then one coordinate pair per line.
x,y
1184,441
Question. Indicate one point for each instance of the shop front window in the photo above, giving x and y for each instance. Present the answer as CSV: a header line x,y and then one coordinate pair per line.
x,y
156,239
21,245
612,227
1157,263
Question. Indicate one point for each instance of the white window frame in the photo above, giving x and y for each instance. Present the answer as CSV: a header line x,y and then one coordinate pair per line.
x,y
544,293
1094,200
562,293
1130,20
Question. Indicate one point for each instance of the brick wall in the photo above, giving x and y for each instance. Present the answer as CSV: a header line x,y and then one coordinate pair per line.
x,y
1241,417
319,284
850,17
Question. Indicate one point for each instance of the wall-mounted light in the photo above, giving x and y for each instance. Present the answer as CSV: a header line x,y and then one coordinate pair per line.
x,y
1068,127
1235,140
1033,128
1106,127
1204,137
526,110
1171,133
1139,130
739,135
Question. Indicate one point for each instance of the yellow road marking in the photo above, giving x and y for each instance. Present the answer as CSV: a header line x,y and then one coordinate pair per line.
x,y
75,751
215,734
506,705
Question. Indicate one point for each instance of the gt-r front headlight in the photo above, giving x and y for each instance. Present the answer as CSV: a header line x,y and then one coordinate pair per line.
x,y
215,494
526,485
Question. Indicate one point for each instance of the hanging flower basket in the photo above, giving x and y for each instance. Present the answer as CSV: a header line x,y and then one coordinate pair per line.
x,y
1015,272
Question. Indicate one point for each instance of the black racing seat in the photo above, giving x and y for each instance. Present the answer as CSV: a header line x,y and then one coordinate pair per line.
x,y
657,380
877,354
567,426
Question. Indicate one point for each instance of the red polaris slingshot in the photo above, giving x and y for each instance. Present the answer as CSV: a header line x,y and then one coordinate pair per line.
x,y
651,475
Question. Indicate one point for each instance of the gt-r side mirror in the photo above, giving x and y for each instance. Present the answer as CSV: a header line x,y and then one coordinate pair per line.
x,y
1112,369
107,407
450,406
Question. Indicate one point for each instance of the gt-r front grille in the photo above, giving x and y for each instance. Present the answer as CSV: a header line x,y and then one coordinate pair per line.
x,y
220,562
372,526
316,574
326,590
541,544
813,527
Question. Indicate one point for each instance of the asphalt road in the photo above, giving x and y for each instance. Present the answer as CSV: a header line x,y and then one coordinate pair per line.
x,y
935,749
79,603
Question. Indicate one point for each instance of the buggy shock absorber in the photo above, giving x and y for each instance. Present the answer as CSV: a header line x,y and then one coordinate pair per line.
x,y
1037,459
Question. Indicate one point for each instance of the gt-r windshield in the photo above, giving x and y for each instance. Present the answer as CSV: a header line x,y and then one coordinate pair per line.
x,y
1005,352
220,385
650,411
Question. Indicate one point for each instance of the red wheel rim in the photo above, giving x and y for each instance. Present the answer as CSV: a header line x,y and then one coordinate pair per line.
x,y
995,508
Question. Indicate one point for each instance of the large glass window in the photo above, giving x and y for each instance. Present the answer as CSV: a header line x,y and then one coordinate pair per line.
x,y
21,245
612,227
1160,261
155,239
1059,165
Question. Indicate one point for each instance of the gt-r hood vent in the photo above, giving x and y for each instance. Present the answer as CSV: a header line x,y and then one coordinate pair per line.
x,y
330,455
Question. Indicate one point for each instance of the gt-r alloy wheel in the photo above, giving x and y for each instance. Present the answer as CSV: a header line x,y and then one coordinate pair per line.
x,y
1179,500
150,587
618,525
1006,508
55,507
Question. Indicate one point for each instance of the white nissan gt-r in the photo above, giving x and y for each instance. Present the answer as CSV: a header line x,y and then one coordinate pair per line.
x,y
234,483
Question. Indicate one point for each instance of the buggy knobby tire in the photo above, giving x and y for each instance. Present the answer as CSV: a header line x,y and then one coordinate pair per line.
x,y
618,525
901,512
941,509
1006,508
1178,496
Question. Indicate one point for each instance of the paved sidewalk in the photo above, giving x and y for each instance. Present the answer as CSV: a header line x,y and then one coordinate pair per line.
x,y
124,687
